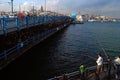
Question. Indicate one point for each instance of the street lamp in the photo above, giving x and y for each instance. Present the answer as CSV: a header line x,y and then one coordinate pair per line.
x,y
45,5
45,11
19,8
33,6
12,6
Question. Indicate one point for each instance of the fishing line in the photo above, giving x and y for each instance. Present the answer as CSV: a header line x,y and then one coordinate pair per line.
x,y
100,47
87,55
113,51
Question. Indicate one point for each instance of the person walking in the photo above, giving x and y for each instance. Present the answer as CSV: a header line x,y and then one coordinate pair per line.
x,y
99,62
82,71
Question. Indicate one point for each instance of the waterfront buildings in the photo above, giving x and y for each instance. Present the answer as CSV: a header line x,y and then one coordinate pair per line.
x,y
93,18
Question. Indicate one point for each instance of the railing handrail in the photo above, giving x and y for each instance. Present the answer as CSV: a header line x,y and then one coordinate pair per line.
x,y
76,72
5,23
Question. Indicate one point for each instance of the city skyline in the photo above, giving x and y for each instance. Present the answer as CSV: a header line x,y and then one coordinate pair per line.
x,y
103,7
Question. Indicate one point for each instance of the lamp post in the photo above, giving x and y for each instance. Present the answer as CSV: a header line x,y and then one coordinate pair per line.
x,y
19,8
45,5
33,6
12,6
45,11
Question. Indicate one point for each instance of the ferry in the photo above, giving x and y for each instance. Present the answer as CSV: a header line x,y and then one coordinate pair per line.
x,y
92,20
77,22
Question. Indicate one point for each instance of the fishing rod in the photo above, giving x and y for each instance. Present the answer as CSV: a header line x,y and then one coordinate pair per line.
x,y
100,47
114,51
106,55
87,55
105,52
91,56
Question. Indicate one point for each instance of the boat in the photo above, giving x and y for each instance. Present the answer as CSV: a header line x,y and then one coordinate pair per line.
x,y
77,22
92,20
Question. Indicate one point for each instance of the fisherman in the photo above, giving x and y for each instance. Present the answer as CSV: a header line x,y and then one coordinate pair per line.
x,y
99,62
108,62
117,63
82,71
109,65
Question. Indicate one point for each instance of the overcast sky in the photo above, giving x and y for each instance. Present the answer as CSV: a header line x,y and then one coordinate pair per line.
x,y
110,8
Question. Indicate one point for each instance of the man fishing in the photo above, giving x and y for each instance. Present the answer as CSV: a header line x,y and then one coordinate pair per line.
x,y
117,63
99,62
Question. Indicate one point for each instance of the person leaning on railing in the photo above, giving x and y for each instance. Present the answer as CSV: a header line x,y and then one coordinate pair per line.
x,y
109,66
82,71
117,64
99,62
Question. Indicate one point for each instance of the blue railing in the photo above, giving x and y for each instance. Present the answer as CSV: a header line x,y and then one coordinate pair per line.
x,y
18,47
4,55
12,24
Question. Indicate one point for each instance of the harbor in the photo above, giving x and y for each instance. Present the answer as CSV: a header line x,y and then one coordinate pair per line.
x,y
58,52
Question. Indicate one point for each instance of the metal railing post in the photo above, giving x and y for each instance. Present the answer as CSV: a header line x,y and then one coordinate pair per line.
x,y
5,55
18,24
33,38
26,18
46,18
42,19
4,26
18,47
34,20
38,19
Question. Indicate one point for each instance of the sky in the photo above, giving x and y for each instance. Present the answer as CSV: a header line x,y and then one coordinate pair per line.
x,y
110,8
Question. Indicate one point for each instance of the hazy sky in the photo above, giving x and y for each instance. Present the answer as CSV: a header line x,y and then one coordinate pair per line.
x,y
110,8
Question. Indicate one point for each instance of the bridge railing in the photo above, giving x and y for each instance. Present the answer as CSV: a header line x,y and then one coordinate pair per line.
x,y
89,73
17,48
12,24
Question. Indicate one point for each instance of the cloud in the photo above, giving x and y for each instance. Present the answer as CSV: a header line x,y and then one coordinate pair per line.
x,y
68,6
5,6
107,7
52,4
75,5
28,5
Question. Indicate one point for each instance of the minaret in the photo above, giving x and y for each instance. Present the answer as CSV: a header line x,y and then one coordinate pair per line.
x,y
41,9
